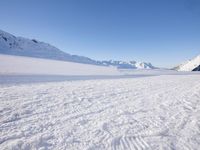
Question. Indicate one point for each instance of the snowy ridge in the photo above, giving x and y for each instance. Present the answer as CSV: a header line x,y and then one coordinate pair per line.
x,y
129,64
189,65
197,68
12,45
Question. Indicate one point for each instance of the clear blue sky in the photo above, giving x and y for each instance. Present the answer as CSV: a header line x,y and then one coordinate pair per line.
x,y
164,32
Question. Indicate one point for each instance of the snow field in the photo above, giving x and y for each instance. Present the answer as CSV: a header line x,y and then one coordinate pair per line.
x,y
160,112
36,66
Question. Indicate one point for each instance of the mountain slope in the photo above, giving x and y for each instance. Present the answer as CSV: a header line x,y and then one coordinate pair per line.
x,y
189,65
197,68
12,45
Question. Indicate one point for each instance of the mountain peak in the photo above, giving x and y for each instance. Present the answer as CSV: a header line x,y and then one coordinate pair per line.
x,y
189,65
11,45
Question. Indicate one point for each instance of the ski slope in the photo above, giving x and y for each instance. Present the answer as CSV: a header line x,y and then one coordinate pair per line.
x,y
155,112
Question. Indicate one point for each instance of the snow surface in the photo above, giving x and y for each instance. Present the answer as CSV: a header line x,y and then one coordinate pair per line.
x,y
27,65
49,104
189,65
20,65
157,112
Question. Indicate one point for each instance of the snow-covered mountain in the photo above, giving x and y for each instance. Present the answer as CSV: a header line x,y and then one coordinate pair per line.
x,y
197,68
129,64
190,65
12,45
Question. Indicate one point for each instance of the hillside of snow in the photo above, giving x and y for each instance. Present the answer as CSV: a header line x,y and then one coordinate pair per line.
x,y
189,65
37,66
12,45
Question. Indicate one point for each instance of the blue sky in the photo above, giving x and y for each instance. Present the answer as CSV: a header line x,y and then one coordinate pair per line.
x,y
164,32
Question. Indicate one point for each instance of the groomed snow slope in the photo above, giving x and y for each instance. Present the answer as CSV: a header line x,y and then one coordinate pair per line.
x,y
27,65
160,112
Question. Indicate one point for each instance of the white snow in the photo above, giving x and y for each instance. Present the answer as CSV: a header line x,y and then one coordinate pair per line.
x,y
49,104
189,65
158,112
27,65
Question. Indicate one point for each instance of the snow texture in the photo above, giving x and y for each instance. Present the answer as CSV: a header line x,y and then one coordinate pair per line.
x,y
157,112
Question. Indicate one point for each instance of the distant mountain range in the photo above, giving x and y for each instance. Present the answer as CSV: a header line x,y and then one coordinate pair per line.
x,y
190,65
129,64
12,45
